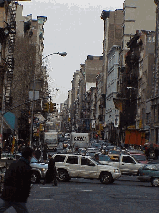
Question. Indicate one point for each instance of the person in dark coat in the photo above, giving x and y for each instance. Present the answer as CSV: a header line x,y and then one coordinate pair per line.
x,y
156,152
147,152
0,152
17,183
45,152
51,174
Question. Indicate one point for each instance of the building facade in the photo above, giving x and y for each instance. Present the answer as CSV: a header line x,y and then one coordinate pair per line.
x,y
112,114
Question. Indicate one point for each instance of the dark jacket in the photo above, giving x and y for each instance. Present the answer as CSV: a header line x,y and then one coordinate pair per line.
x,y
45,152
17,181
51,165
38,154
51,172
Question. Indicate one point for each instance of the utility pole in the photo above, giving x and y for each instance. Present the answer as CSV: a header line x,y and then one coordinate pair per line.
x,y
32,107
2,113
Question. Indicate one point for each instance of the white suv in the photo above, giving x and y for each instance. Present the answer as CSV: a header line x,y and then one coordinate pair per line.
x,y
78,166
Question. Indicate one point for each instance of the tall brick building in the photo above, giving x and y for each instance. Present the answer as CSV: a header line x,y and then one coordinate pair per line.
x,y
93,66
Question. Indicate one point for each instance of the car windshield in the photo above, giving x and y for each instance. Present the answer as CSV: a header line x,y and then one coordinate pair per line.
x,y
50,141
104,158
34,160
139,157
114,152
96,145
110,147
96,162
152,166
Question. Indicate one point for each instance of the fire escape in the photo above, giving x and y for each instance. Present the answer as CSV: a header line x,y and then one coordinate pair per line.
x,y
10,57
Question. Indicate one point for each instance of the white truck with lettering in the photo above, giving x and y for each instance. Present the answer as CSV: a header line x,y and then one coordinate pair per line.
x,y
51,139
79,140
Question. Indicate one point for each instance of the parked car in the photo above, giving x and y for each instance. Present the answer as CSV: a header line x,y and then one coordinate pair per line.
x,y
82,151
66,143
7,156
91,151
127,165
140,158
110,147
78,166
67,136
104,159
38,170
96,145
114,154
150,173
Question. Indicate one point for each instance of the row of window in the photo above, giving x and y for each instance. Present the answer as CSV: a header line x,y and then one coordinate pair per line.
x,y
73,160
86,161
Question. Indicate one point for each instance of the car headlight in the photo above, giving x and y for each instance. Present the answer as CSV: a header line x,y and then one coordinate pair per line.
x,y
43,169
116,170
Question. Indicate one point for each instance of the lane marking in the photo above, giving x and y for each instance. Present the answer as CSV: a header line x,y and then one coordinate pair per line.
x,y
47,187
42,199
87,190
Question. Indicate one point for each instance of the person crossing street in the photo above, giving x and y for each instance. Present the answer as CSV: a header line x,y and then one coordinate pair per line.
x,y
51,174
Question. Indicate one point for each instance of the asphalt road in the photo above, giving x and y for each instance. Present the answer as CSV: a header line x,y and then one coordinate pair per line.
x,y
80,195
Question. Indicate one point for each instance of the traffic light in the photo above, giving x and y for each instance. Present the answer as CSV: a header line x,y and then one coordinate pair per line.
x,y
52,107
41,127
46,107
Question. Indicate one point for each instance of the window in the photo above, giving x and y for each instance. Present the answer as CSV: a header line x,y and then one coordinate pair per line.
x,y
148,116
127,159
149,39
72,160
59,158
104,158
140,157
115,158
86,161
34,160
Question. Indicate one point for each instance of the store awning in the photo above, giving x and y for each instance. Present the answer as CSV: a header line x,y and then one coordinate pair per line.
x,y
10,120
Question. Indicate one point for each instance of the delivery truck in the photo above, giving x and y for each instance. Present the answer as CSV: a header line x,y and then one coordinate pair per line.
x,y
79,140
51,139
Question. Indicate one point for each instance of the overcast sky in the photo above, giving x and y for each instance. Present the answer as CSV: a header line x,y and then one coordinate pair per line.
x,y
74,27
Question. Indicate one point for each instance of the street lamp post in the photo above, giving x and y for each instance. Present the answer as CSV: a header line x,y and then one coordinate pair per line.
x,y
32,107
59,53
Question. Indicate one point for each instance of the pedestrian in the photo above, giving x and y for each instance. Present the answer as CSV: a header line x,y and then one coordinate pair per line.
x,y
17,183
45,152
96,157
156,152
147,152
51,174
0,152
97,137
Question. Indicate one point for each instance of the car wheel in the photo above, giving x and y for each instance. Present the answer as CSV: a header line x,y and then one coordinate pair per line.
x,y
106,178
63,175
155,181
35,177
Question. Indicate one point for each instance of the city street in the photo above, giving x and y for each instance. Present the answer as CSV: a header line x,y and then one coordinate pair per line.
x,y
81,195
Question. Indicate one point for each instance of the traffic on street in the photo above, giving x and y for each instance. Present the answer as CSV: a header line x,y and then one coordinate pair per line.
x,y
81,136
92,179
127,194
